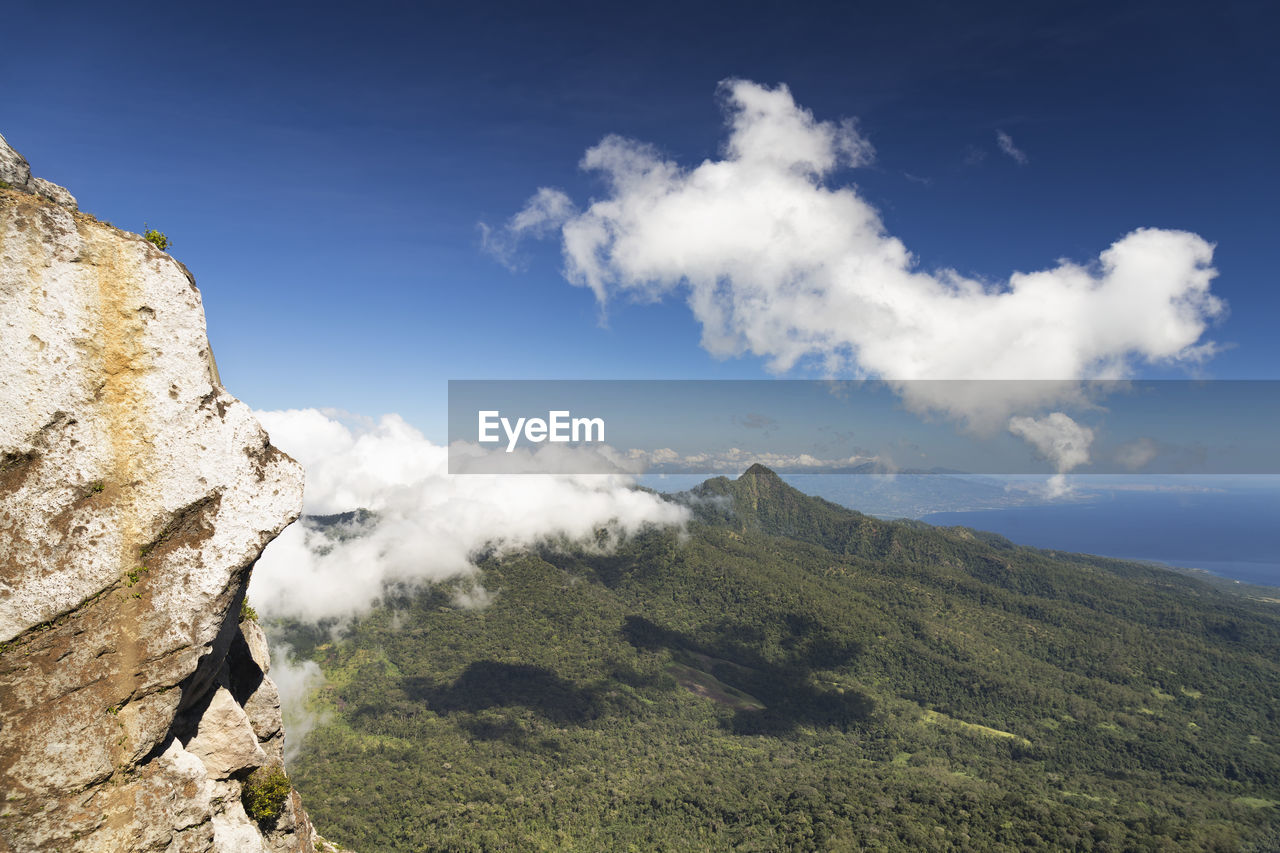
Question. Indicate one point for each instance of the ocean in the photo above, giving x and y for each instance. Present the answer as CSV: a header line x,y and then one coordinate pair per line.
x,y
1233,534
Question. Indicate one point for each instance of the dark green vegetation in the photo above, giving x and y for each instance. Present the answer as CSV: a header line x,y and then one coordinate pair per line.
x,y
795,676
264,794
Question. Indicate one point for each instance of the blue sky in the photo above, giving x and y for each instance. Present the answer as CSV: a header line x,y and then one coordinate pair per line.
x,y
323,168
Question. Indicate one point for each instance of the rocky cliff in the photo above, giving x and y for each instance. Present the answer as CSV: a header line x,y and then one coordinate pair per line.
x,y
135,496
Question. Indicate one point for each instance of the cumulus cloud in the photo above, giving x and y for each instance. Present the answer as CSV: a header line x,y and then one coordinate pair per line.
x,y
1005,141
777,262
1059,439
425,525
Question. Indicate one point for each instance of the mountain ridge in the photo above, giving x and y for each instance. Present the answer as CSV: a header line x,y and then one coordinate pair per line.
x,y
853,682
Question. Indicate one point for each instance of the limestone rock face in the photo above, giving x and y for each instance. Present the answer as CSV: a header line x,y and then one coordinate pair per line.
x,y
255,640
15,172
135,496
224,740
51,191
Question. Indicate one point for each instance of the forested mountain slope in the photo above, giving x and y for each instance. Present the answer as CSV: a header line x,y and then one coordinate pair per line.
x,y
791,675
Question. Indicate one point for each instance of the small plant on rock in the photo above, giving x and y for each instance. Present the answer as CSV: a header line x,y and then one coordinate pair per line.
x,y
264,794
156,238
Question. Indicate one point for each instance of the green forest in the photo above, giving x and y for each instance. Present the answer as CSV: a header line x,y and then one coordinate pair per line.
x,y
787,674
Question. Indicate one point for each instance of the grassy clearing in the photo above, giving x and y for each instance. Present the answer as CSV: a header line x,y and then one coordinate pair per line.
x,y
935,718
1254,802
706,685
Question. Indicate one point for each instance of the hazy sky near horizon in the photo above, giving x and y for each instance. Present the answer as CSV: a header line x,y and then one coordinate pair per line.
x,y
325,171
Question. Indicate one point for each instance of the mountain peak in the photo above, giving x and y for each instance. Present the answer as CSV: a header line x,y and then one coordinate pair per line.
x,y
760,472
761,500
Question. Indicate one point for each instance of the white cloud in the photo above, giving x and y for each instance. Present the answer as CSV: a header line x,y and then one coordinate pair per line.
x,y
469,458
472,458
775,262
295,679
429,524
736,460
1005,141
542,215
1057,437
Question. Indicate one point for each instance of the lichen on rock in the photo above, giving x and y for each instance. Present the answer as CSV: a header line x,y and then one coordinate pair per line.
x,y
135,496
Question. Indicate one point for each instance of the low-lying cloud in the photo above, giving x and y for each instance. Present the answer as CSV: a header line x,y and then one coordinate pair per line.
x,y
775,261
471,459
426,525
296,680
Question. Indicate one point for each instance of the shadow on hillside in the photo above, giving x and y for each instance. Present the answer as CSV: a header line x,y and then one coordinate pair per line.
x,y
732,654
648,554
487,728
493,684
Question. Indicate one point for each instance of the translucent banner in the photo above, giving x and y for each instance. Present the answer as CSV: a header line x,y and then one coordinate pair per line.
x,y
864,427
